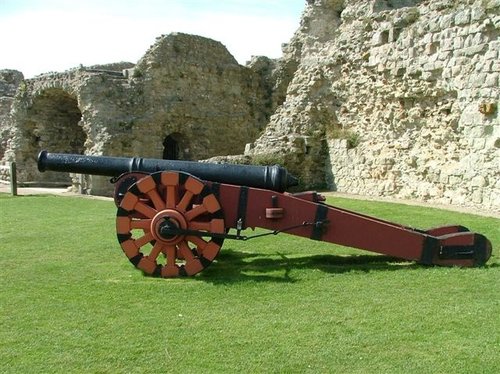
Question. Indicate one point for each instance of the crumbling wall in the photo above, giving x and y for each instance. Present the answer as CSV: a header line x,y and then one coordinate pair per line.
x,y
395,98
374,97
194,90
9,83
71,112
186,98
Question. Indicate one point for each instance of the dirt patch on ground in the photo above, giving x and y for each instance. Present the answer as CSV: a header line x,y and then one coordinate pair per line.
x,y
26,191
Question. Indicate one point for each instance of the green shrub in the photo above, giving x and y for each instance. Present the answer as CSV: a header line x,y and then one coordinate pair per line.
x,y
353,138
268,159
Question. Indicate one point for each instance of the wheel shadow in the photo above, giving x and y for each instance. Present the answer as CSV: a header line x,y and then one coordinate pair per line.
x,y
235,266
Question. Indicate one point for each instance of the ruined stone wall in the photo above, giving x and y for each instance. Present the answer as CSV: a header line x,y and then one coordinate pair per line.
x,y
69,112
9,83
186,88
395,98
193,89
373,97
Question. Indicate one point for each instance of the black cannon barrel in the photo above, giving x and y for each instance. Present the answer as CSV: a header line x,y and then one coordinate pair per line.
x,y
274,178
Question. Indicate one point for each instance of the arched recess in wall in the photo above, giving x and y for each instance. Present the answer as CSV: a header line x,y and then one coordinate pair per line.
x,y
175,147
54,123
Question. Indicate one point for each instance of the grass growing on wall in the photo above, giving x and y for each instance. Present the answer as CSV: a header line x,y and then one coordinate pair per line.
x,y
71,302
352,138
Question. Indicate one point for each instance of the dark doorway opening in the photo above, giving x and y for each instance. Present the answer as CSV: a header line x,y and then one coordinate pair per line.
x,y
54,123
170,148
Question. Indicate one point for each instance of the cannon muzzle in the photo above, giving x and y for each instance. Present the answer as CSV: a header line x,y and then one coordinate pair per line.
x,y
274,178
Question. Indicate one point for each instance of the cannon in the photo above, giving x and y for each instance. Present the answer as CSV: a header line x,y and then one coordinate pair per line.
x,y
173,216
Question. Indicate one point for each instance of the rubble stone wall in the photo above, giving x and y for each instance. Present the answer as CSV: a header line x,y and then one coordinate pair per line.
x,y
9,84
392,98
395,98
187,94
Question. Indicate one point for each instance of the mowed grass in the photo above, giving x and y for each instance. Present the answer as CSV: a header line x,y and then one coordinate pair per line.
x,y
71,302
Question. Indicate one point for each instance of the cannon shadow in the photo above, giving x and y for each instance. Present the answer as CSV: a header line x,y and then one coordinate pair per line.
x,y
236,266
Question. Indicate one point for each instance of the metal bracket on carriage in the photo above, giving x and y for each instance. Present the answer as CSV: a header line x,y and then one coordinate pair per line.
x,y
312,196
275,212
465,245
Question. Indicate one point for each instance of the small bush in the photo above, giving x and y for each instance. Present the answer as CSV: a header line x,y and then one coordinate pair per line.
x,y
137,73
268,159
353,138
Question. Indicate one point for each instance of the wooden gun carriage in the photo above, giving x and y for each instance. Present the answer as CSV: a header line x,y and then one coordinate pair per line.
x,y
173,216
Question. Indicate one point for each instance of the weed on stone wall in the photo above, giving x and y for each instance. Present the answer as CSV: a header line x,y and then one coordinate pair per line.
x,y
353,138
268,159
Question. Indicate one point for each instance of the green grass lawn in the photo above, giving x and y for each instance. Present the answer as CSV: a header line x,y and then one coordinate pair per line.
x,y
71,302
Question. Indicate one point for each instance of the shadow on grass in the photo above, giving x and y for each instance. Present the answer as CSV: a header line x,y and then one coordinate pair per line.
x,y
234,266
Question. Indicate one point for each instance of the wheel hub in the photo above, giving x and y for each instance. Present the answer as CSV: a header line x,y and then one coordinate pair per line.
x,y
164,225
167,227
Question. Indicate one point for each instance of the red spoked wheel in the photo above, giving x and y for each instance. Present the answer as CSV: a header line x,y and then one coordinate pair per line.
x,y
163,223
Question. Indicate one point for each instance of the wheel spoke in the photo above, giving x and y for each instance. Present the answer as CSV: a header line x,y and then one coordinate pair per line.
x,y
157,249
171,197
186,251
156,199
143,240
145,210
186,199
170,254
199,226
195,212
143,224
199,242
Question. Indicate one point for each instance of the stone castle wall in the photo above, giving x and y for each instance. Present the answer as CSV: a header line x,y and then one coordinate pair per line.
x,y
186,88
374,97
9,83
194,88
395,98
